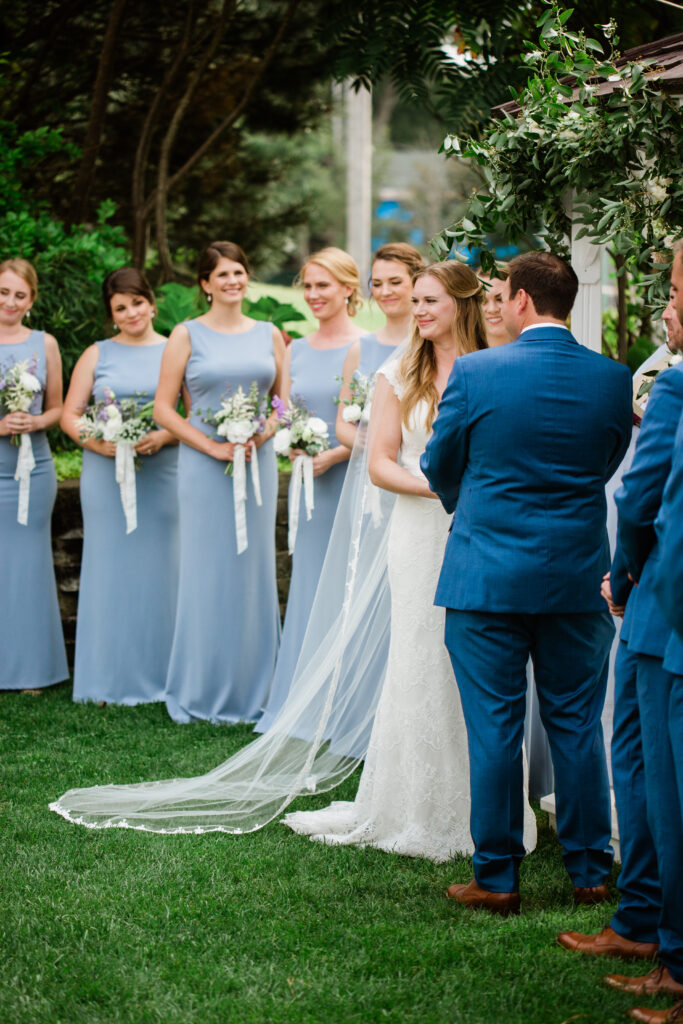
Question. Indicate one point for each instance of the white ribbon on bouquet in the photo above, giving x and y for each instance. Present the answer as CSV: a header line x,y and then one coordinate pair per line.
x,y
302,472
125,478
25,465
239,491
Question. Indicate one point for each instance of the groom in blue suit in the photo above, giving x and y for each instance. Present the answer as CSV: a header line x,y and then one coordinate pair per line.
x,y
526,437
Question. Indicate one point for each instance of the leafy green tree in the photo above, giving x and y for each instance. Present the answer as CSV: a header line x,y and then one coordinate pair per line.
x,y
619,154
70,262
160,105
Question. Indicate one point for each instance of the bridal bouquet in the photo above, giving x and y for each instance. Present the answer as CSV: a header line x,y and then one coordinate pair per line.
x,y
18,388
643,382
359,386
310,435
240,417
124,422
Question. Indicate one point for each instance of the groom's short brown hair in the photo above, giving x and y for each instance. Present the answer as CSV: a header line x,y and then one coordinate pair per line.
x,y
548,279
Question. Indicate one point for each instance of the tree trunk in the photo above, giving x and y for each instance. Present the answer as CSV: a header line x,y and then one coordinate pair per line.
x,y
622,315
93,135
140,215
156,201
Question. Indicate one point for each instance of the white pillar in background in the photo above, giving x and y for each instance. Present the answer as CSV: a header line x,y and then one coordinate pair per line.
x,y
358,117
586,259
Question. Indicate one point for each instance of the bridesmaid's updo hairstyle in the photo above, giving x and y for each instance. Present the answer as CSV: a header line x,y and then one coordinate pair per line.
x,y
25,270
343,269
126,281
210,257
401,252
418,364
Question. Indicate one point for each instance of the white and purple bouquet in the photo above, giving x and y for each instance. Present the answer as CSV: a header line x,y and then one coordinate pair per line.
x,y
359,386
239,418
120,420
19,386
301,430
124,422
311,435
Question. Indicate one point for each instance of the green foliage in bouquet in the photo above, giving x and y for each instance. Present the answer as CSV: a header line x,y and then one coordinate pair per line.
x,y
620,154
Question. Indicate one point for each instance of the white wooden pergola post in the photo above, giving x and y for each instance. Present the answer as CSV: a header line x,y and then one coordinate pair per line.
x,y
586,259
358,118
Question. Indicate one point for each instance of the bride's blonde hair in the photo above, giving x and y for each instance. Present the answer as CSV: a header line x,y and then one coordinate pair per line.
x,y
418,363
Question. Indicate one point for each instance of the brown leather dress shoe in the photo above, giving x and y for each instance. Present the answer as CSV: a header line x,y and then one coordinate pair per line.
x,y
649,1016
608,943
471,895
657,981
590,895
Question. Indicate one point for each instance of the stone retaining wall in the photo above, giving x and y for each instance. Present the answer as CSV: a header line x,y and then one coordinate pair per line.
x,y
67,546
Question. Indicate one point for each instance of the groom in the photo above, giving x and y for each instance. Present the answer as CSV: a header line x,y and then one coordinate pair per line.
x,y
526,437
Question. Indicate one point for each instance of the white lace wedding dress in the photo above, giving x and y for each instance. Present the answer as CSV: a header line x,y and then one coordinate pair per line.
x,y
413,796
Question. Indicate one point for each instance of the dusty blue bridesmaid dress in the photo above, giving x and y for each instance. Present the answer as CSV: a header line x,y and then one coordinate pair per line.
x,y
31,641
227,624
372,354
315,377
128,589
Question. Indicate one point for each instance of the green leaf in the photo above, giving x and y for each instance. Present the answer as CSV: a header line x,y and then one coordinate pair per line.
x,y
566,15
593,44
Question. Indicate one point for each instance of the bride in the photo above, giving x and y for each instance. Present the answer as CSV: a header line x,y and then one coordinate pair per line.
x,y
413,796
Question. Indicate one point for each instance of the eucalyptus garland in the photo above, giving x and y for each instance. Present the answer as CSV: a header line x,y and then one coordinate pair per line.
x,y
619,155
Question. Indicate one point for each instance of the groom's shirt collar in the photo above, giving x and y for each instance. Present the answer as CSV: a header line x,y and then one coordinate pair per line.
x,y
533,327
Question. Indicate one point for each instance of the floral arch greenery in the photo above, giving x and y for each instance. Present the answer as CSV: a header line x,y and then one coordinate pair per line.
x,y
592,145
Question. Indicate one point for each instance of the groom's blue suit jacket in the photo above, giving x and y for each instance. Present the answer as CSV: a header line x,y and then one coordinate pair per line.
x,y
526,437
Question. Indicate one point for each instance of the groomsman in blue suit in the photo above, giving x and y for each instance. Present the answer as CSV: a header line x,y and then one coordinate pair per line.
x,y
526,437
647,502
633,931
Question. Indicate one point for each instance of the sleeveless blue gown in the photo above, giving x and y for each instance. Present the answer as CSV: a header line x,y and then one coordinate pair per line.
x,y
31,639
315,377
228,623
127,596
372,354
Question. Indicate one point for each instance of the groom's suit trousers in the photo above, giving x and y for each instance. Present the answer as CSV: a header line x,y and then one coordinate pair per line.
x,y
570,654
637,915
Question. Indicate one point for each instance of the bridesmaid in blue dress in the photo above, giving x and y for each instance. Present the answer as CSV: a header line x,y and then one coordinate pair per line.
x,y
227,624
391,286
331,285
31,639
128,588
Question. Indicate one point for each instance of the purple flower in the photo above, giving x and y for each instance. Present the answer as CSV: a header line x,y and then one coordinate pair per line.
x,y
278,406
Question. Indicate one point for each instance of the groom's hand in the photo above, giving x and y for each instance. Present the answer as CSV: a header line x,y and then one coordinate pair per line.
x,y
606,591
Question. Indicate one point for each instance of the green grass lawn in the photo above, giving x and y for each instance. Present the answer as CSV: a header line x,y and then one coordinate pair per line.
x,y
102,927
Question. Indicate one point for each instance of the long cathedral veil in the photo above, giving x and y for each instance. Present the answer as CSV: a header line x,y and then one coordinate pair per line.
x,y
322,731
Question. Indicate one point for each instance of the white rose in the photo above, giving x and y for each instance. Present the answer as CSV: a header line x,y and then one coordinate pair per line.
x,y
352,413
282,441
675,359
305,433
29,382
111,429
317,426
113,412
239,431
